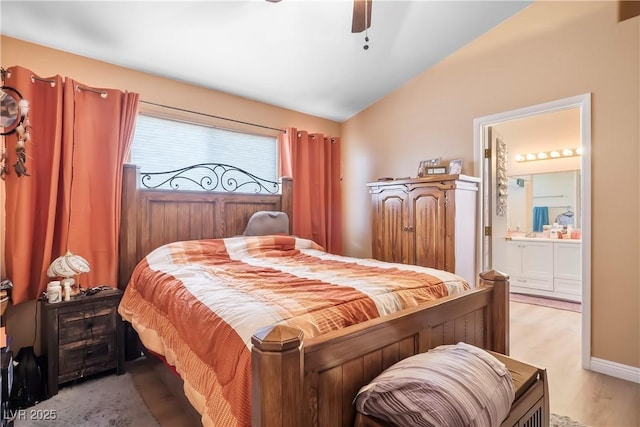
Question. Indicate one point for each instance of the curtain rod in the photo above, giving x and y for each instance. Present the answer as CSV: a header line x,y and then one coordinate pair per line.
x,y
211,115
102,93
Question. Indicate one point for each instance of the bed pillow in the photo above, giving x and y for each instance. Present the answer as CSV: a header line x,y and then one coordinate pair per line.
x,y
264,223
450,385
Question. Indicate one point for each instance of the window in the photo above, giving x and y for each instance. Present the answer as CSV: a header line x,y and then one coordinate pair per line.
x,y
162,145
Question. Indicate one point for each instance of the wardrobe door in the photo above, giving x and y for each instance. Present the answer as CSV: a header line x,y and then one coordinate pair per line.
x,y
428,222
390,220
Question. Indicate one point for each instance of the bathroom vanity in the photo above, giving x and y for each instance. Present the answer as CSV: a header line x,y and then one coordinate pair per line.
x,y
545,267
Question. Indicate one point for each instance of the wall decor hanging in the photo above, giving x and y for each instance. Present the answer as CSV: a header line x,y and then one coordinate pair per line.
x,y
14,110
502,181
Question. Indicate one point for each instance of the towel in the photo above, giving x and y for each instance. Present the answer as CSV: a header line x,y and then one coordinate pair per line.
x,y
540,217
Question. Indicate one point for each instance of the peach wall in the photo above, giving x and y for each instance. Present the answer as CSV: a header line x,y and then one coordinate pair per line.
x,y
549,51
48,62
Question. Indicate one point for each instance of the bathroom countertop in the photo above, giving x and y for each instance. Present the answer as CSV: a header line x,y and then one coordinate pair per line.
x,y
544,239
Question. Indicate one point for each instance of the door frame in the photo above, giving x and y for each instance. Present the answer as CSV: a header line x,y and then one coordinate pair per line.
x,y
481,142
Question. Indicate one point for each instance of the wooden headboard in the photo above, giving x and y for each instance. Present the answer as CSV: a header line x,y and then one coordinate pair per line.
x,y
150,217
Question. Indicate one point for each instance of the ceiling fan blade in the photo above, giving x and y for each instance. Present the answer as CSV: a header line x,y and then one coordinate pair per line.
x,y
361,15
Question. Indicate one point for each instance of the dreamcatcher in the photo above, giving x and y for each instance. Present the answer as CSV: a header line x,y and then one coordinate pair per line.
x,y
14,110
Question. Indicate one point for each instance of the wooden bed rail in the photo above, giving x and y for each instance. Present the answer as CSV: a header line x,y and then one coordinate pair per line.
x,y
313,382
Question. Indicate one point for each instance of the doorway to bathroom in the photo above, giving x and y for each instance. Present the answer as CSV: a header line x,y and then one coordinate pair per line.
x,y
535,168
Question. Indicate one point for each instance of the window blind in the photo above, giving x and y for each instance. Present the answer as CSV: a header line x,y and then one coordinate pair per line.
x,y
161,144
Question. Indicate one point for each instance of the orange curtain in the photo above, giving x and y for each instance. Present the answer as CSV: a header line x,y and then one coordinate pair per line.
x,y
313,161
98,132
71,200
31,200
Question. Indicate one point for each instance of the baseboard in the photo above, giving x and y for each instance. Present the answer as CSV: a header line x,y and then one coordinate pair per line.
x,y
614,369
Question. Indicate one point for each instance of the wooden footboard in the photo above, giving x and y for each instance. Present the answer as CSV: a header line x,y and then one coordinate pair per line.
x,y
313,382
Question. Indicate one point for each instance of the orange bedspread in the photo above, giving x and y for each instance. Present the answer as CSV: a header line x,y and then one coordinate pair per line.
x,y
198,303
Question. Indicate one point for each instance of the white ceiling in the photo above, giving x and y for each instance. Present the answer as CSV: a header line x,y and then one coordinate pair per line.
x,y
296,54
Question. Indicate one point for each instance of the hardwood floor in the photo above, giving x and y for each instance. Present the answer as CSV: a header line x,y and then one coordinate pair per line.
x,y
540,336
168,410
551,339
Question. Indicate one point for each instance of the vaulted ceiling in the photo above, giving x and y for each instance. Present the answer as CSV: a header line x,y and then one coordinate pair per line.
x,y
296,54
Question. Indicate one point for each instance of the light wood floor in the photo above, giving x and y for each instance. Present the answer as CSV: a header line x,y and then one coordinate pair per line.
x,y
551,339
540,336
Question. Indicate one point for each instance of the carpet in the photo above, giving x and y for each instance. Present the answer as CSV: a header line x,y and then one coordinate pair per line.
x,y
562,421
105,401
113,401
547,302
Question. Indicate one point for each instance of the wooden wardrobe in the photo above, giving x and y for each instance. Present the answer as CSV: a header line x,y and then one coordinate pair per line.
x,y
427,221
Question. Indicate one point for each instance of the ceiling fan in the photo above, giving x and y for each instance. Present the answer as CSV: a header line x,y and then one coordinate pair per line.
x,y
361,15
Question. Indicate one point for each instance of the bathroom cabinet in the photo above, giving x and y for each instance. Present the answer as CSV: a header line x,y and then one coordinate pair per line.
x,y
545,267
530,265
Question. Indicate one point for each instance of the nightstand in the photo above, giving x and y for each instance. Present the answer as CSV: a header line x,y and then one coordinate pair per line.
x,y
81,337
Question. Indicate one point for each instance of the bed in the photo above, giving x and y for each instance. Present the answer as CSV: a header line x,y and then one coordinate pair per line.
x,y
295,378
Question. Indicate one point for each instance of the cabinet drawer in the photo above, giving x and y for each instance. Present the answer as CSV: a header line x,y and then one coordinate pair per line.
x,y
85,358
573,287
541,283
86,324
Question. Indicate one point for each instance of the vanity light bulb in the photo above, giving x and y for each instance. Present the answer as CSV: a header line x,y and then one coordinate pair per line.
x,y
542,155
579,150
555,154
519,157
531,156
567,152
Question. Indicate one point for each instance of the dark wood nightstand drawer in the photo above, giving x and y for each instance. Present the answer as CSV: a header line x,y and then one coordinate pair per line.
x,y
78,360
87,324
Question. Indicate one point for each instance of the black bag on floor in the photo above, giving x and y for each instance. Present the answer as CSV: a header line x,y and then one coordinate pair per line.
x,y
28,388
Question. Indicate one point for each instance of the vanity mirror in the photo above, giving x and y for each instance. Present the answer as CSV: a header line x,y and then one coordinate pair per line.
x,y
544,198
